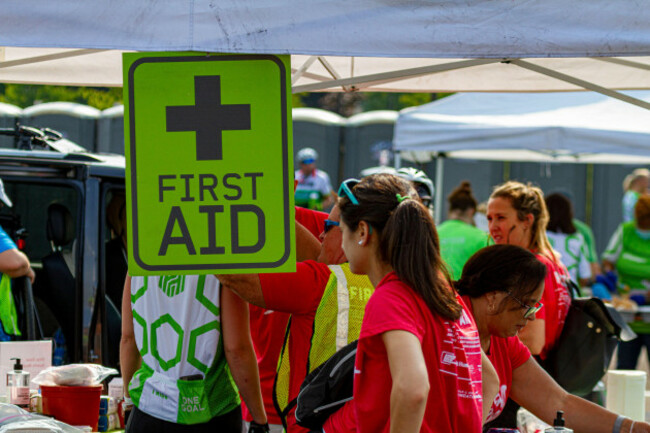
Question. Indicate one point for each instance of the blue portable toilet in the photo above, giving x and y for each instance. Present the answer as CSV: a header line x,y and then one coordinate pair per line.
x,y
110,130
76,122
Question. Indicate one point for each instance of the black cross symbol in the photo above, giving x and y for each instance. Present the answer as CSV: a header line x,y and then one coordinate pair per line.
x,y
208,118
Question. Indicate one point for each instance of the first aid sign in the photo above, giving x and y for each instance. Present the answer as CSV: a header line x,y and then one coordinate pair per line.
x,y
209,170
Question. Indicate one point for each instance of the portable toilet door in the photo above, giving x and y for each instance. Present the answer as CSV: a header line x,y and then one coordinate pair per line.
x,y
110,130
321,130
9,114
368,141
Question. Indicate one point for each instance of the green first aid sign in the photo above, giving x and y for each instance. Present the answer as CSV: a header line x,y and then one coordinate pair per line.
x,y
209,168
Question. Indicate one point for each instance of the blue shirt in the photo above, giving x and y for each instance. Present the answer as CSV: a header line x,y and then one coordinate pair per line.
x,y
5,241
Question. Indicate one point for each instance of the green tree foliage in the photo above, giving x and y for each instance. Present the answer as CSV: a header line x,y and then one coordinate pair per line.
x,y
347,104
25,95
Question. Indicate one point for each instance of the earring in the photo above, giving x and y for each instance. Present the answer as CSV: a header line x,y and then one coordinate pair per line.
x,y
361,242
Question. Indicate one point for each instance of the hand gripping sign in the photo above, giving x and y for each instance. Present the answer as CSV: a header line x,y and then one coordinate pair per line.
x,y
209,173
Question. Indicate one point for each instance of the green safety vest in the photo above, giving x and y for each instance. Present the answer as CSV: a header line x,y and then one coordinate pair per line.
x,y
184,376
633,264
337,322
8,314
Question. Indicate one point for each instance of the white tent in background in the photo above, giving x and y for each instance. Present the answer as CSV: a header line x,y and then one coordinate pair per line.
x,y
341,45
555,127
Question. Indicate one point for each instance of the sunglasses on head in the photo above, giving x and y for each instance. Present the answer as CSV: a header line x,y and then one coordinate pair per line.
x,y
346,188
529,310
329,224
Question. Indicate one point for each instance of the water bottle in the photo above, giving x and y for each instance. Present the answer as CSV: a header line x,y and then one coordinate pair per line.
x,y
558,425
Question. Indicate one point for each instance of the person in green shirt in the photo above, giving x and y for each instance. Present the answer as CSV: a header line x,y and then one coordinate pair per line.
x,y
628,253
459,238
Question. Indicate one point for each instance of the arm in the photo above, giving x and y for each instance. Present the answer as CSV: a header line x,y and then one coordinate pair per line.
x,y
533,335
240,354
408,397
130,359
15,264
490,380
536,391
247,286
307,246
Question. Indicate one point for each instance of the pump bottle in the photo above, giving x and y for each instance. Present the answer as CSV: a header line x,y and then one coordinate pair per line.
x,y
558,425
18,385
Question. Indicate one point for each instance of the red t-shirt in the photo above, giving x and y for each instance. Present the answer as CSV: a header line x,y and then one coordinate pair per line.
x,y
298,293
313,220
267,331
506,354
452,352
556,300
342,421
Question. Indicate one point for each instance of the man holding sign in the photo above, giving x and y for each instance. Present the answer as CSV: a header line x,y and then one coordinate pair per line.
x,y
208,176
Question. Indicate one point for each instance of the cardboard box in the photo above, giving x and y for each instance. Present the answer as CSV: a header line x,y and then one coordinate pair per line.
x,y
34,355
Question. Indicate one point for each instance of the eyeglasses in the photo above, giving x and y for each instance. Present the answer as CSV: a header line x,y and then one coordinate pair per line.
x,y
529,310
329,224
346,188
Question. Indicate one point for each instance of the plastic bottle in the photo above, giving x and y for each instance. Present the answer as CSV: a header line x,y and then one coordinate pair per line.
x,y
558,425
18,385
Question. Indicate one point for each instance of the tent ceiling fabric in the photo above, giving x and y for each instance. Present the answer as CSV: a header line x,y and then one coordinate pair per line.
x,y
104,68
557,127
340,40
368,28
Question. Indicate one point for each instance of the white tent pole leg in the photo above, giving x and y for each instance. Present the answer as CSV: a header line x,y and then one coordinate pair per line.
x,y
398,160
386,77
48,57
437,200
582,83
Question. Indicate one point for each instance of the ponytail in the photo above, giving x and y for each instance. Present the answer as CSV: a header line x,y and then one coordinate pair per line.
x,y
410,244
408,239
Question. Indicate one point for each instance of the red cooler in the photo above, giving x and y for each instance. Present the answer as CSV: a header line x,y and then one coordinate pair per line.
x,y
74,405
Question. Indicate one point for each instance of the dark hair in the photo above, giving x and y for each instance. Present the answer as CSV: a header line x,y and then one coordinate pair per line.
x,y
501,268
407,235
560,212
461,198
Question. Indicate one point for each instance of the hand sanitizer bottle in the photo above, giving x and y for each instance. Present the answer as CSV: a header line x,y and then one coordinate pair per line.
x,y
558,425
18,385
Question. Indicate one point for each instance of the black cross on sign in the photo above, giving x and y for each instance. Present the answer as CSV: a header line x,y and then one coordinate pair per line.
x,y
208,118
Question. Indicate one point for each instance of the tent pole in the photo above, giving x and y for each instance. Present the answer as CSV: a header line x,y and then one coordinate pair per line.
x,y
301,70
437,200
581,83
48,57
398,160
386,77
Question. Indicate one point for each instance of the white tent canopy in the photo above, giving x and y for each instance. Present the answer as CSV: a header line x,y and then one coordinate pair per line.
x,y
559,127
553,127
341,45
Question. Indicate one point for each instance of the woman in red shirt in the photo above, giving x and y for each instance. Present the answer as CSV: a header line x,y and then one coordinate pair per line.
x,y
502,286
517,215
418,363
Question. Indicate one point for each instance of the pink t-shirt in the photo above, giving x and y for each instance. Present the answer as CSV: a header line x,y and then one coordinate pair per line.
x,y
298,293
556,300
451,350
505,354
